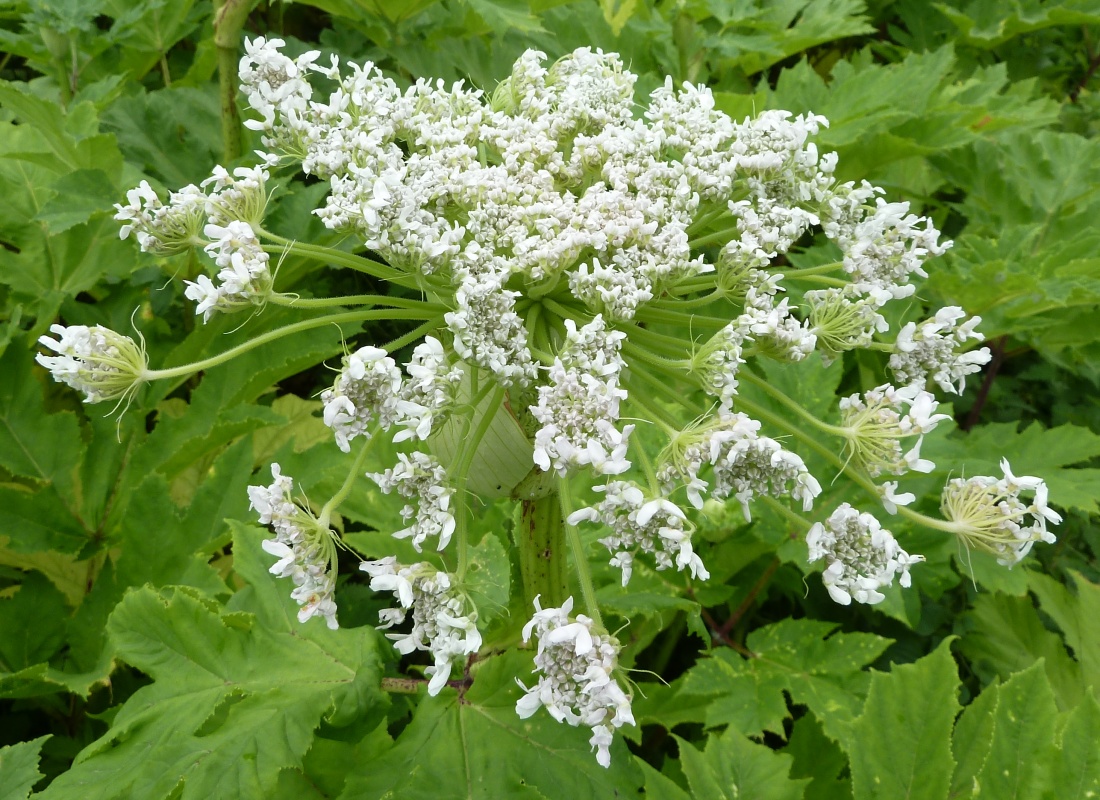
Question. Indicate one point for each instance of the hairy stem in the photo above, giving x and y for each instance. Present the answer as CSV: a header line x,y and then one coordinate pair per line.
x,y
332,319
540,538
229,19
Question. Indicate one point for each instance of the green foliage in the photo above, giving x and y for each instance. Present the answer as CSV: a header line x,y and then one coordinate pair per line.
x,y
145,649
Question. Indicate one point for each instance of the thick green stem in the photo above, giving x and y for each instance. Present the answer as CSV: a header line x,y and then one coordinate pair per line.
x,y
229,20
663,316
287,330
540,538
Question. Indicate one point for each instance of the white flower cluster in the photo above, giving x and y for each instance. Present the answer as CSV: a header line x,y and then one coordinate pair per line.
x,y
656,526
743,463
421,478
163,229
245,279
990,515
773,329
306,551
861,556
366,390
444,620
370,389
579,406
240,196
577,684
430,391
875,424
883,248
102,364
488,332
928,351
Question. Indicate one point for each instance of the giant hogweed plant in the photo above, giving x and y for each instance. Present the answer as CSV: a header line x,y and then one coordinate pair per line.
x,y
596,294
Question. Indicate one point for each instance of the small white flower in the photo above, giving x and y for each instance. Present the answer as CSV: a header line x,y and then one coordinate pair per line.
x,y
861,556
891,498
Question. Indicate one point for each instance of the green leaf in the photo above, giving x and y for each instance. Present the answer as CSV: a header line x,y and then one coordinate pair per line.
x,y
1076,614
971,741
474,745
754,36
1075,773
489,578
659,786
80,195
989,23
732,767
790,656
1005,635
232,702
900,745
820,759
173,134
21,644
1022,746
19,768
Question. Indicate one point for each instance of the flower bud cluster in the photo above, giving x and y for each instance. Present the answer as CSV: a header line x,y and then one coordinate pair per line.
x,y
657,526
577,682
861,556
306,550
717,362
842,320
743,463
102,364
990,515
928,351
419,477
444,618
876,423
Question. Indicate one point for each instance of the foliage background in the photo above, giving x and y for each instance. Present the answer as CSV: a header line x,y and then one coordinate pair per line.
x,y
139,632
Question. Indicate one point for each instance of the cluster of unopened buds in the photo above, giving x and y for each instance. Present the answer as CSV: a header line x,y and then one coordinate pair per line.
x,y
575,266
